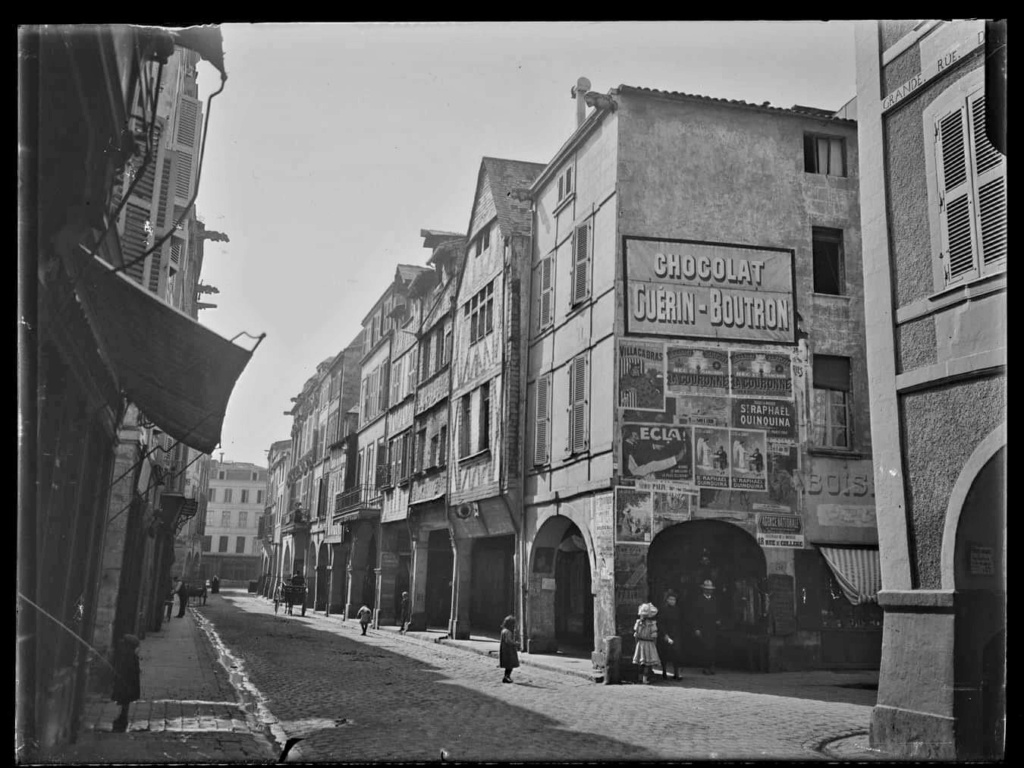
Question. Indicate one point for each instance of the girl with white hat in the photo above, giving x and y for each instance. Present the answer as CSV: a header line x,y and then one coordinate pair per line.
x,y
645,632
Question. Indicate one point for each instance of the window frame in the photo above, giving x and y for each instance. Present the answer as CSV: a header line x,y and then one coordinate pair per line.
x,y
542,416
580,290
822,415
546,294
578,409
483,437
811,139
834,236
478,313
959,96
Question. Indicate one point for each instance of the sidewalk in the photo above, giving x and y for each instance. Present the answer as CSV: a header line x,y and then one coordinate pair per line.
x,y
188,712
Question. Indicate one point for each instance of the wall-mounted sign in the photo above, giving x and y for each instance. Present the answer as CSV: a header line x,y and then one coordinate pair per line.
x,y
709,290
838,493
981,560
940,49
633,511
697,371
662,451
759,374
779,530
776,417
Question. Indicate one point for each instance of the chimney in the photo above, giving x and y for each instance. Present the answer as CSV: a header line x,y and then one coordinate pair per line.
x,y
579,92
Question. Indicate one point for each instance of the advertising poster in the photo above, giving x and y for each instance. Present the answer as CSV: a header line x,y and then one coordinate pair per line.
x,y
776,417
749,460
703,411
711,457
783,468
661,451
632,516
709,290
642,375
761,374
670,508
696,371
775,530
668,416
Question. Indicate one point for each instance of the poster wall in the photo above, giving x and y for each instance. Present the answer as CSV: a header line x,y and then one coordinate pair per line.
x,y
662,451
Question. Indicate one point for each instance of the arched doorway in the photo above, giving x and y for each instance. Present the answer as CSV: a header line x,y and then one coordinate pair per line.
x,y
683,556
979,656
560,597
322,586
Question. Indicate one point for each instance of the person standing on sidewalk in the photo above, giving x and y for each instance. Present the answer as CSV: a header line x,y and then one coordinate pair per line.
x,y
645,632
508,654
404,613
670,635
364,615
127,679
182,598
706,622
169,600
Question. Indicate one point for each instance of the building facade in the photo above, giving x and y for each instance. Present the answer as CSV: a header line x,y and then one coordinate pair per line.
x,y
703,257
432,557
273,513
484,477
933,184
232,548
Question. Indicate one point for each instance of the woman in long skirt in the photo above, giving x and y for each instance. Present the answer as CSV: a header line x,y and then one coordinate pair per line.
x,y
508,655
645,631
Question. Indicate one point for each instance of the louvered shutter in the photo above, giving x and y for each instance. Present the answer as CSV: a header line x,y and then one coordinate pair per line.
x,y
581,263
542,420
958,241
990,182
545,291
577,439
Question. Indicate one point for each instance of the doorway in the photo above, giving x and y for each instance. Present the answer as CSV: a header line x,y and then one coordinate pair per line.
x,y
491,596
574,600
440,565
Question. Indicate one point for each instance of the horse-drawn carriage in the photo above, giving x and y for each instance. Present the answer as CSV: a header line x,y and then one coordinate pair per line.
x,y
290,595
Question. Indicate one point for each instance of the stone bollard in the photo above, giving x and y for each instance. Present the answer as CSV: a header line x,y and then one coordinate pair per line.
x,y
612,656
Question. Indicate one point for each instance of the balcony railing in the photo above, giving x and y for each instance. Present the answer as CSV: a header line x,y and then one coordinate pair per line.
x,y
296,521
358,498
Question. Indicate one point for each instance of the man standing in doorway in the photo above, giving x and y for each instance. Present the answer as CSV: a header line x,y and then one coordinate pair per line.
x,y
706,622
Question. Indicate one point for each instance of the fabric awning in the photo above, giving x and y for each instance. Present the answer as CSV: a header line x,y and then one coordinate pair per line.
x,y
178,372
857,570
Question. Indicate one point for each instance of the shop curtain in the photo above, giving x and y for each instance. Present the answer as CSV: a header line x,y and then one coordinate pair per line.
x,y
857,571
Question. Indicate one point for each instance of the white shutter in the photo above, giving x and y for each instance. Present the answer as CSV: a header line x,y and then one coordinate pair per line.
x,y
958,241
990,182
544,313
581,262
542,419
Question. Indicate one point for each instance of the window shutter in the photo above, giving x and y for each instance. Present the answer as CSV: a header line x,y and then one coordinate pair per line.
x,y
579,406
990,180
396,383
542,410
954,195
581,256
545,291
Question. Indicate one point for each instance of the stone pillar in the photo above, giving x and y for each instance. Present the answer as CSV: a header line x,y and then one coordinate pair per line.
x,y
119,514
418,579
608,658
458,624
386,612
356,568
336,599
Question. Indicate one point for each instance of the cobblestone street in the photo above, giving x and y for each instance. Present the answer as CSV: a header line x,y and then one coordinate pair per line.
x,y
386,697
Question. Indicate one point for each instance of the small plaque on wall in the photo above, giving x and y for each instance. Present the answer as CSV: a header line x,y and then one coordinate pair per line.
x,y
547,584
981,560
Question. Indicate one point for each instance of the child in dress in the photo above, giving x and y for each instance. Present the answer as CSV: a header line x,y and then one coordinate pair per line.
x,y
364,614
645,631
508,655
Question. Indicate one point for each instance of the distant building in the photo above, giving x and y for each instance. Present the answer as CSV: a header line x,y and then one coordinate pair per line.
x,y
931,109
232,548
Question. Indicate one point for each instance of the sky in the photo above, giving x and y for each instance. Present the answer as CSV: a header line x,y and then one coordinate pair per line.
x,y
333,145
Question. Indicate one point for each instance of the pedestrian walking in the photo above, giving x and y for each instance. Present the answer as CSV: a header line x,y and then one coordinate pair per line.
x,y
670,634
127,679
182,598
404,613
364,614
508,654
645,632
215,584
169,600
706,622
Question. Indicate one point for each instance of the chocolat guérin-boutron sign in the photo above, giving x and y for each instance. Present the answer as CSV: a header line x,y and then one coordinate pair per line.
x,y
709,290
